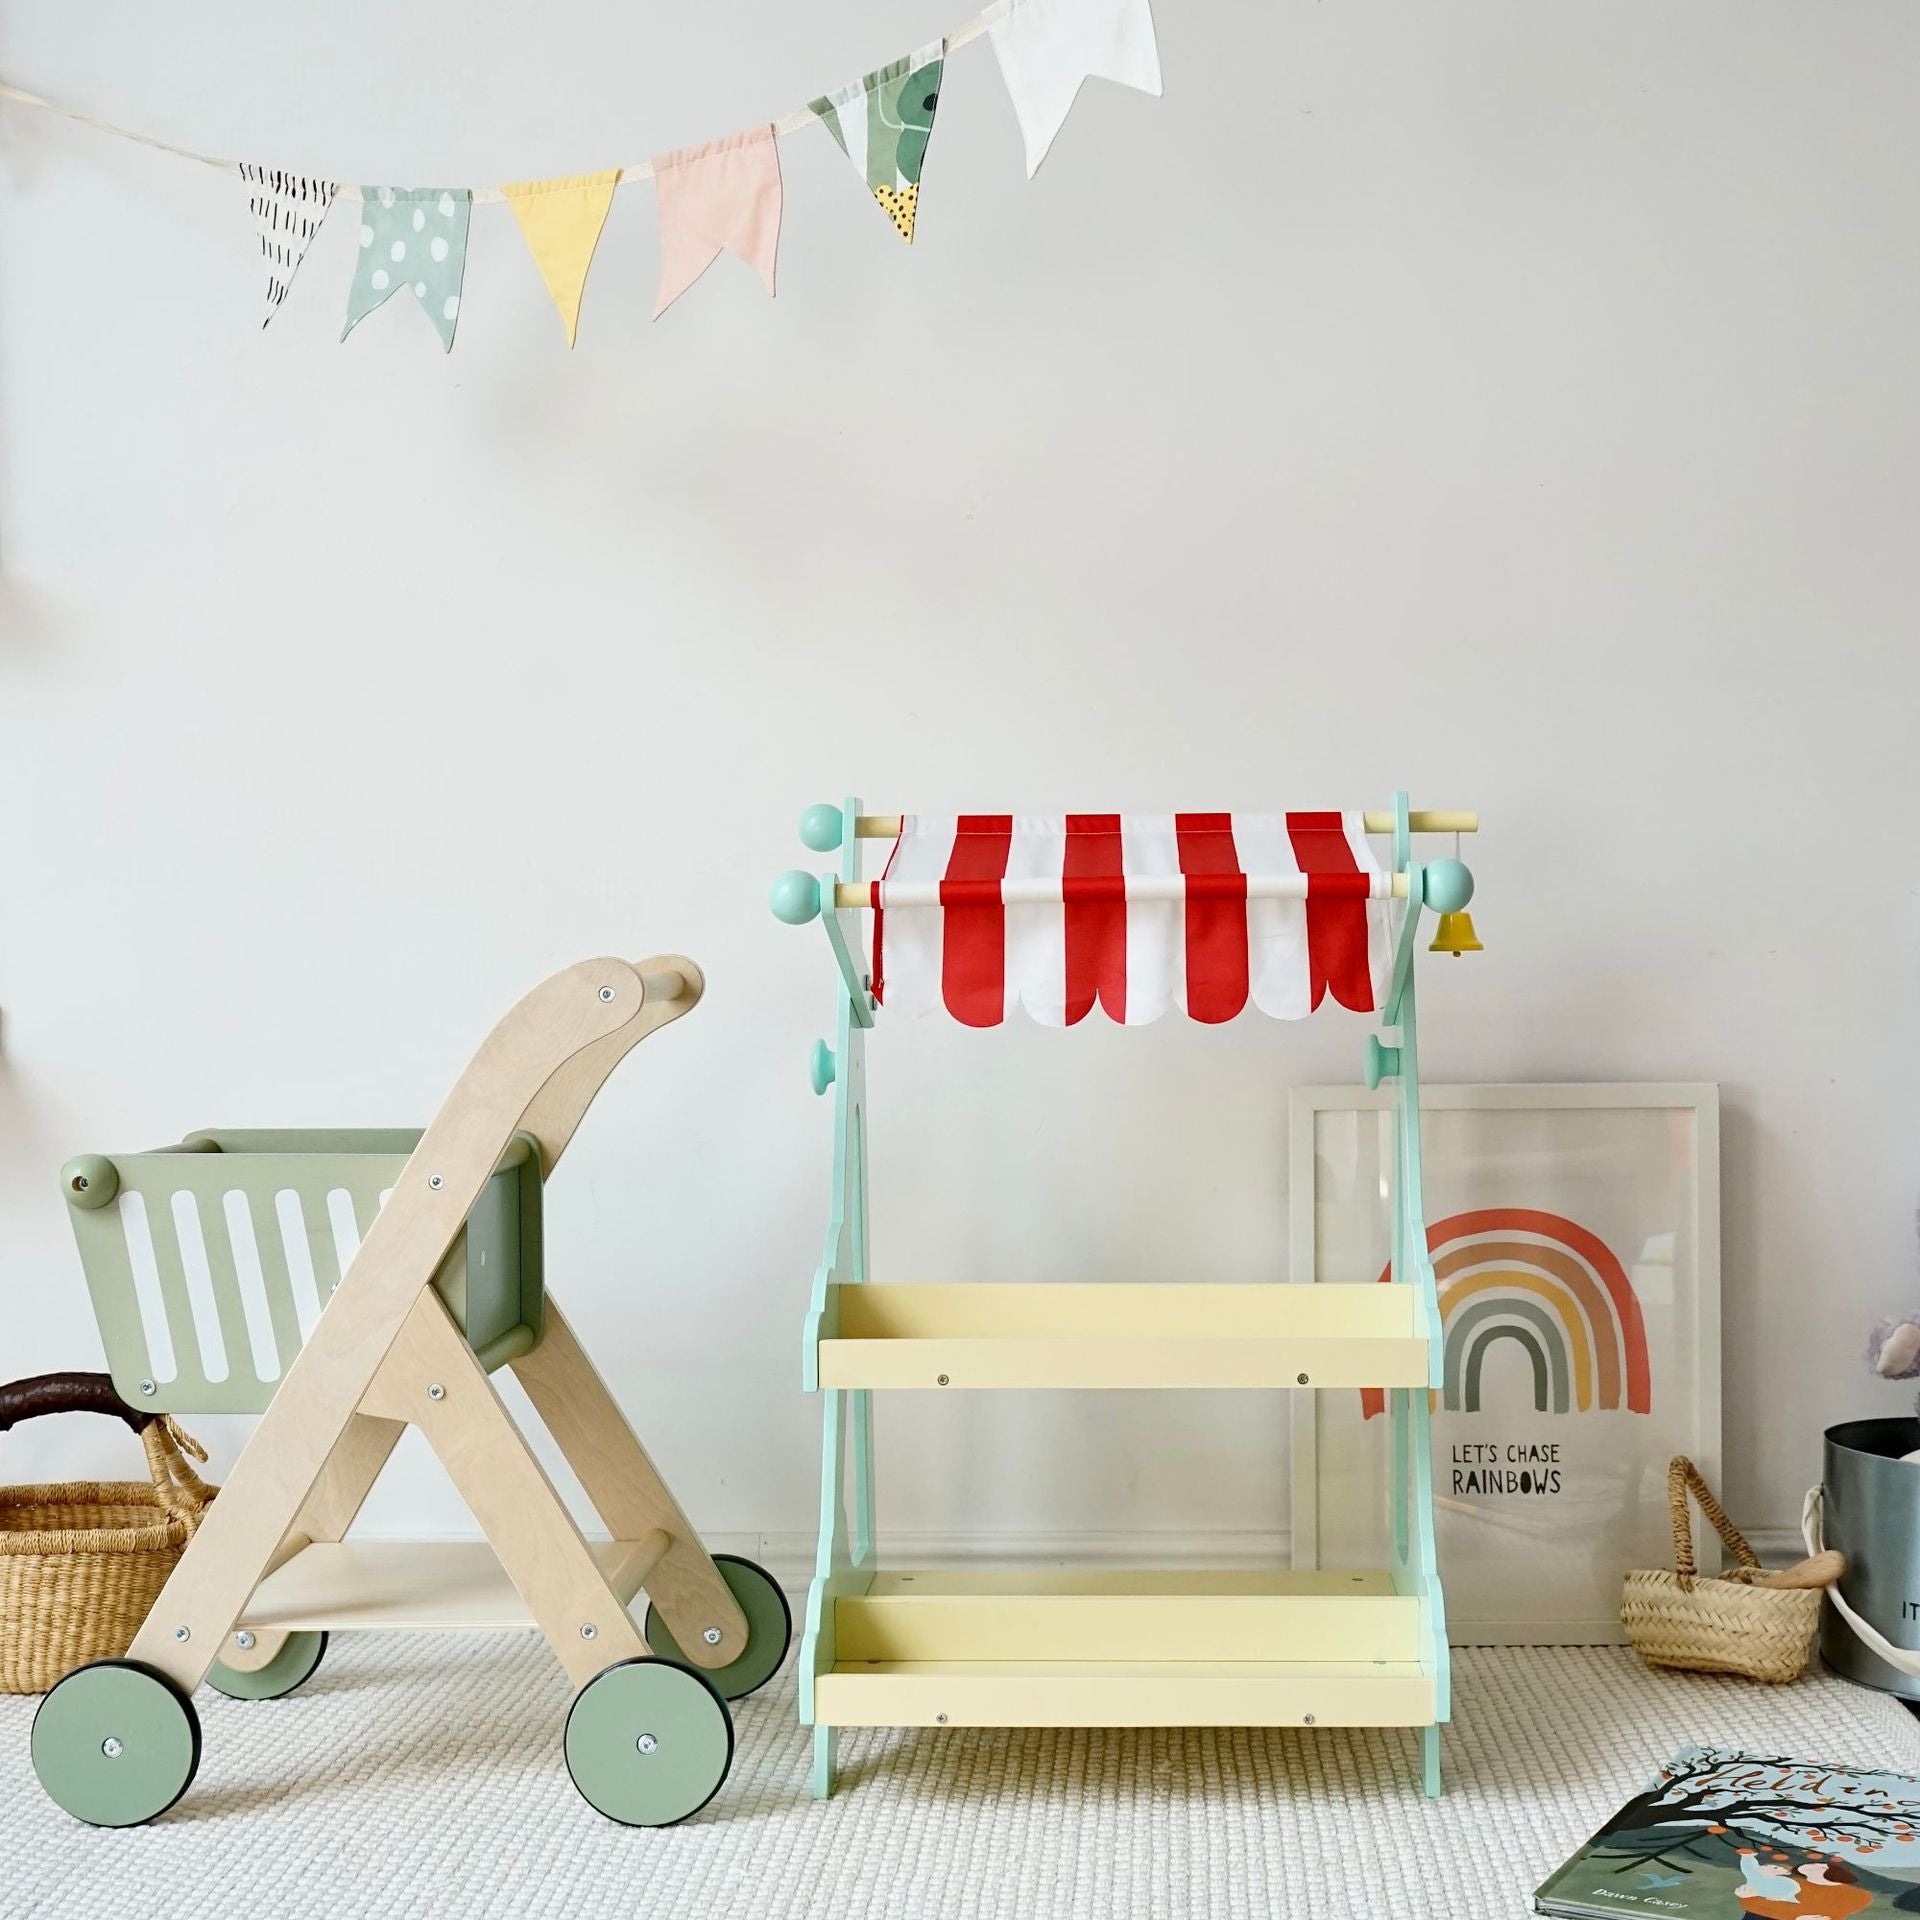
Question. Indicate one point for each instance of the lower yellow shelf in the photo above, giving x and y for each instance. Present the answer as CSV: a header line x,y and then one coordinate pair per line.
x,y
1139,1693
1125,1648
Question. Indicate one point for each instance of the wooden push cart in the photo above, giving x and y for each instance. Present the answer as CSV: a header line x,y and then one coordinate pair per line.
x,y
210,1265
1210,912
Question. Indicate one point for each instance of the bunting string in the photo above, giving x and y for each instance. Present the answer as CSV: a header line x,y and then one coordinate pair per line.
x,y
719,196
789,124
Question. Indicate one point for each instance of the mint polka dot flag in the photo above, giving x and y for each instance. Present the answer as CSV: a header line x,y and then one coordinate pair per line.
x,y
413,238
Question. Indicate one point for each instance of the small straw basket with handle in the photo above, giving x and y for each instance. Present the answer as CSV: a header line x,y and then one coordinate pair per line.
x,y
1737,1622
81,1563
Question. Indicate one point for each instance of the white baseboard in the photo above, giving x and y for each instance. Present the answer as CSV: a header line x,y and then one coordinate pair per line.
x,y
789,1556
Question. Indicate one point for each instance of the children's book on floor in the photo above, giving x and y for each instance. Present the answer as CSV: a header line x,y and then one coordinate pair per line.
x,y
1721,1832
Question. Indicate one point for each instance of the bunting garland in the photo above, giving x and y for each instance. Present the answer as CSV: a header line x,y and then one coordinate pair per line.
x,y
720,196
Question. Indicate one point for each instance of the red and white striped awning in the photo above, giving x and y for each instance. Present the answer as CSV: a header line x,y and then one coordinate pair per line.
x,y
1203,911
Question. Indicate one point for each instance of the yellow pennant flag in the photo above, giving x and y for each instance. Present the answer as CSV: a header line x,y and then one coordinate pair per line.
x,y
562,220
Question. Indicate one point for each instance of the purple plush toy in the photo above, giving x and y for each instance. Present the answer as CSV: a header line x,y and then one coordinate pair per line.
x,y
1893,1352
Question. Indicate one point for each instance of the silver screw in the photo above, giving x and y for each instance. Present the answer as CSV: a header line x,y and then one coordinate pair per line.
x,y
112,1747
1306,1720
588,1631
243,1639
147,1386
645,1744
1301,1378
436,1391
435,1181
711,1636
942,1381
180,1633
606,993
939,1719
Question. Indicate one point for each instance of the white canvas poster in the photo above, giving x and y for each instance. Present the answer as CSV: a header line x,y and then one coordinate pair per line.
x,y
1574,1232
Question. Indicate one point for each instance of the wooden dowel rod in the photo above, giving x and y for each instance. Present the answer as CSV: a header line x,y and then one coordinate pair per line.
x,y
886,826
668,984
1152,886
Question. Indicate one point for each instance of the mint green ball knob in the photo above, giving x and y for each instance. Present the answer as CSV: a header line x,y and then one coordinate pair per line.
x,y
90,1181
795,898
822,828
821,1068
1446,886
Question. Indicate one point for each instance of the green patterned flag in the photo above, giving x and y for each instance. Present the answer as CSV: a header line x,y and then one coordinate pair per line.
x,y
882,124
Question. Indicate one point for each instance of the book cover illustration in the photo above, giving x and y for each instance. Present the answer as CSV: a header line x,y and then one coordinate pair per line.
x,y
1723,1833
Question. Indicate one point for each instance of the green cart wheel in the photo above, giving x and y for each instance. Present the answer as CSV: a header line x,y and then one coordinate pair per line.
x,y
648,1742
769,1629
116,1744
292,1666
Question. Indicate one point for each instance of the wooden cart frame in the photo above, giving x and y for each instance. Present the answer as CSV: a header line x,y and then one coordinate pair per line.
x,y
271,1560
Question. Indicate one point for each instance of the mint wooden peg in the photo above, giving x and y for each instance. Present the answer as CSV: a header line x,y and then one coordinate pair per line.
x,y
1383,1062
820,1067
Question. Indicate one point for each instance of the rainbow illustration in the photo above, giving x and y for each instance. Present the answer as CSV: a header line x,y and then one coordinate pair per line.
x,y
1553,1288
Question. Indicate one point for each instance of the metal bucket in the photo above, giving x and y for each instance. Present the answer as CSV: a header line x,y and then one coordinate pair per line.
x,y
1872,1514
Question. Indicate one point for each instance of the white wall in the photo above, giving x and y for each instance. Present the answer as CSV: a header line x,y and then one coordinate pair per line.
x,y
1515,403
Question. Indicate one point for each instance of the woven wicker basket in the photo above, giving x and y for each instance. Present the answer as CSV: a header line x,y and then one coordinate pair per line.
x,y
1716,1624
81,1564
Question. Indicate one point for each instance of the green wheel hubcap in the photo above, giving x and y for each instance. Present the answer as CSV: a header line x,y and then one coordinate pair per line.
x,y
115,1744
648,1742
769,1628
293,1664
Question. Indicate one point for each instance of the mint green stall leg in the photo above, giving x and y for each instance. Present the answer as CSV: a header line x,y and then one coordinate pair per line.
x,y
294,1665
115,1744
823,1745
1430,1761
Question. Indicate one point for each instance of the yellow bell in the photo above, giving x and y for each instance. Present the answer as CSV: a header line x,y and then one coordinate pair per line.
x,y
1456,935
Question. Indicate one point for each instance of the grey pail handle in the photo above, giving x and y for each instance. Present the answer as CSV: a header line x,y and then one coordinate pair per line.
x,y
1813,1533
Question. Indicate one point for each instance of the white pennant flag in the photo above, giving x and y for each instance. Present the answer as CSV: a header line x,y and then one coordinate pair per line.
x,y
288,209
1047,47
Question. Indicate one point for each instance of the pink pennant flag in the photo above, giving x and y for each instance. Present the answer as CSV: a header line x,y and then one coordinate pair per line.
x,y
724,196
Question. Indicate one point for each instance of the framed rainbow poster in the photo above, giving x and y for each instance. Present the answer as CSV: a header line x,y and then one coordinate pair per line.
x,y
1575,1237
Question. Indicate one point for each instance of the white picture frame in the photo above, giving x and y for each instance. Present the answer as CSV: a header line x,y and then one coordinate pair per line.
x,y
1538,1515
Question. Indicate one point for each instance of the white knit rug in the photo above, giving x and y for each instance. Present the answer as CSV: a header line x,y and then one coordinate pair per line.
x,y
423,1777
